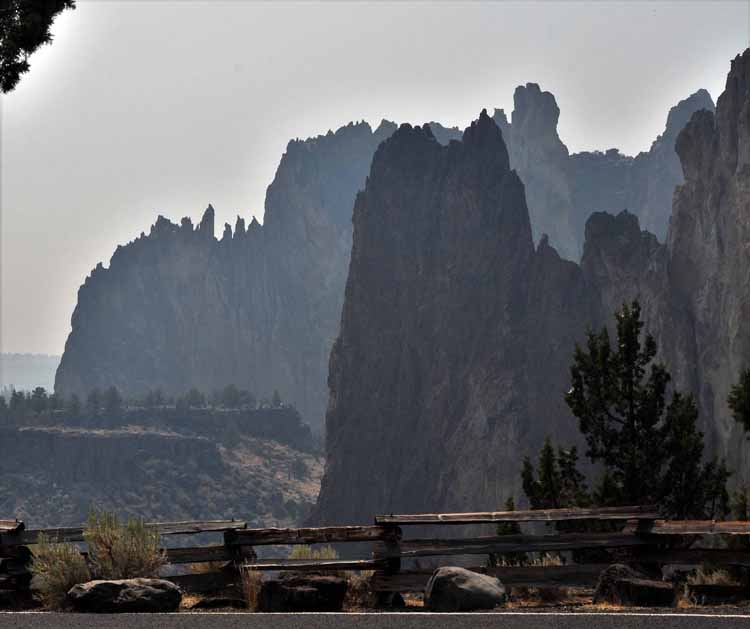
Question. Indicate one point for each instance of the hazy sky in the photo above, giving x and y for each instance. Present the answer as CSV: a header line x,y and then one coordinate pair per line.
x,y
141,108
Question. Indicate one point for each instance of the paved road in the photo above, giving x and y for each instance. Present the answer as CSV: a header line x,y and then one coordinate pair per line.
x,y
524,620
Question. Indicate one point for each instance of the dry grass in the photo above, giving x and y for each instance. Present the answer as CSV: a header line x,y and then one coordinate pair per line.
x,y
711,576
303,552
251,584
359,594
58,567
189,599
205,567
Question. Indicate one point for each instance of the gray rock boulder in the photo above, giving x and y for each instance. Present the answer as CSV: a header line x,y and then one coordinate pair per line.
x,y
461,590
308,593
125,596
621,585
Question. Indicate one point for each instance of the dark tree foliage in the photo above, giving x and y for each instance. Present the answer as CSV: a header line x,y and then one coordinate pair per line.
x,y
688,487
39,400
276,399
112,401
73,406
652,453
618,397
556,482
24,27
93,401
739,399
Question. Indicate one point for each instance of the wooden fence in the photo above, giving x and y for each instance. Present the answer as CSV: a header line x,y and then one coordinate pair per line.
x,y
635,534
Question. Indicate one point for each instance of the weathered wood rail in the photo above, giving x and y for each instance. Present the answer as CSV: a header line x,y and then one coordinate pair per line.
x,y
638,533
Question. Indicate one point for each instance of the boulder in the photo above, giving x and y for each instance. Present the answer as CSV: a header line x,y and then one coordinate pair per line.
x,y
461,590
621,585
308,593
718,593
125,596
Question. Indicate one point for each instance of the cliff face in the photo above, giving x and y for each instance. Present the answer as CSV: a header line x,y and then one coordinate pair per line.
x,y
563,190
457,333
435,377
259,308
53,476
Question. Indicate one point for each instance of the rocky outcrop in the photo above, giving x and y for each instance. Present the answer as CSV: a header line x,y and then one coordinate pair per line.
x,y
459,590
125,596
259,308
53,475
302,593
562,190
621,585
437,370
457,333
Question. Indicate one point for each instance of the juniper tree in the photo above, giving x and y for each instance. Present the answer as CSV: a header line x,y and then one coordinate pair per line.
x,y
651,452
739,399
24,26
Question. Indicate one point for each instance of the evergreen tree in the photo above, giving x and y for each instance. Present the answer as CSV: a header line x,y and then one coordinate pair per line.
x,y
652,453
689,489
230,397
276,399
73,406
556,483
17,402
112,401
39,400
93,401
618,397
739,399
195,399
24,26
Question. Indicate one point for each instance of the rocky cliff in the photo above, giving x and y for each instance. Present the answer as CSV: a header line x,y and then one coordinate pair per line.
x,y
258,308
563,189
457,332
438,378
53,476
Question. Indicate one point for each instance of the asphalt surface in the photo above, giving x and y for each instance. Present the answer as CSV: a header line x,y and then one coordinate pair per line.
x,y
504,620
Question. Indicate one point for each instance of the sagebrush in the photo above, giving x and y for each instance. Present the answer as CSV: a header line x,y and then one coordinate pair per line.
x,y
57,568
122,550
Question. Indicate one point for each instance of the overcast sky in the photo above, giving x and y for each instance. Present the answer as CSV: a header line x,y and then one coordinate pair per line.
x,y
141,108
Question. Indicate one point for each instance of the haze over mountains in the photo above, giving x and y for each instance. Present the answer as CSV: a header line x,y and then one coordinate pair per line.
x,y
457,332
261,307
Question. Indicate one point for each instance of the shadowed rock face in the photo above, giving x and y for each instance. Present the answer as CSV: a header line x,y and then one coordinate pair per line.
x,y
258,308
435,375
457,334
563,190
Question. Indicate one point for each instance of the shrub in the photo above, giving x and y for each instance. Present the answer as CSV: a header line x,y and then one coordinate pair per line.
x,y
251,584
359,594
122,550
711,576
57,568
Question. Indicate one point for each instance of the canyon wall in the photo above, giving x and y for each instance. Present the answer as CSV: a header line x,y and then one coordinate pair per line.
x,y
563,189
457,333
258,308
261,306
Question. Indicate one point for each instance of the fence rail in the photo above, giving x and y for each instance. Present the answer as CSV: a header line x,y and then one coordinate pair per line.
x,y
638,535
531,515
